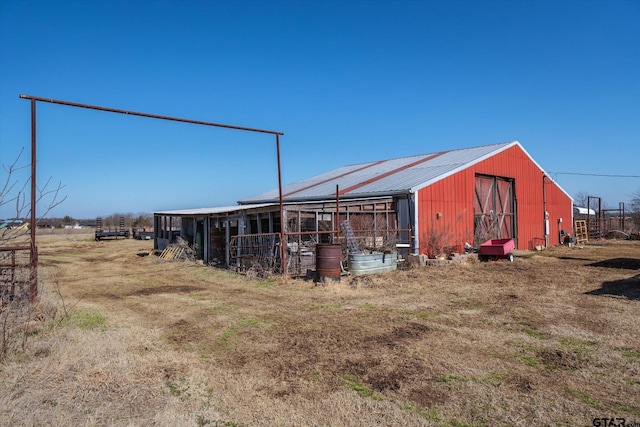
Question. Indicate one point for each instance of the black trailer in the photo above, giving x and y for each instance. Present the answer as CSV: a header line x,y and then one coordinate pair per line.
x,y
101,233
142,234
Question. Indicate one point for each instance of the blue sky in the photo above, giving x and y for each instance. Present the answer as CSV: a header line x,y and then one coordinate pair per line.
x,y
346,81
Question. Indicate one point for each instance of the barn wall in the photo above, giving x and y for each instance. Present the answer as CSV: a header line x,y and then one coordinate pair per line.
x,y
445,213
446,207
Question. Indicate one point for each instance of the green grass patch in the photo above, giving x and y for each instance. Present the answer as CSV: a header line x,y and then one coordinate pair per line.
x,y
356,385
202,421
179,389
268,282
517,343
493,379
629,410
529,357
580,349
578,346
584,397
432,413
632,381
427,314
533,333
528,360
87,319
50,402
368,306
630,353
228,334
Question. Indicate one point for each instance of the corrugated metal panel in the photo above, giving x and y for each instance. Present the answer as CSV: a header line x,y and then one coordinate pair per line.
x,y
213,210
446,206
401,175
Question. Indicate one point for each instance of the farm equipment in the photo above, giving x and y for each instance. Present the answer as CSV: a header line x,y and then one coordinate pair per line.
x,y
497,249
101,233
142,234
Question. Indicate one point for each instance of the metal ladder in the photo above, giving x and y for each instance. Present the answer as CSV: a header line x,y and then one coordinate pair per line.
x,y
352,244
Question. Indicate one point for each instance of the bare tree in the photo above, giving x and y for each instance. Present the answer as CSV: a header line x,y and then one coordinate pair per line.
x,y
580,199
142,221
13,194
635,208
635,202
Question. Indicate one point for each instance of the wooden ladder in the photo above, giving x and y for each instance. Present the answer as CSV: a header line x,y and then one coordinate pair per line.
x,y
580,230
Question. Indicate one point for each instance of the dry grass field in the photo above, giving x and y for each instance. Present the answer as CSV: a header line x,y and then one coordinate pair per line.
x,y
124,339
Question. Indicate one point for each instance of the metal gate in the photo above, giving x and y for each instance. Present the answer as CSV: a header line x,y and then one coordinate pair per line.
x,y
494,209
18,274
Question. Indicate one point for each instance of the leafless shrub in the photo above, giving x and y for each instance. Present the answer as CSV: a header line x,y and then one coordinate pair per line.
x,y
258,270
14,319
21,319
437,239
372,233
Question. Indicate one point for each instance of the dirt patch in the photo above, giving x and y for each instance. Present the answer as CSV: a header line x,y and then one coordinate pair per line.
x,y
521,384
409,331
426,396
171,289
183,332
558,359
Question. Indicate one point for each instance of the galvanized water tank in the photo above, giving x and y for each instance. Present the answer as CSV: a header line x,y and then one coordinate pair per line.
x,y
372,263
328,257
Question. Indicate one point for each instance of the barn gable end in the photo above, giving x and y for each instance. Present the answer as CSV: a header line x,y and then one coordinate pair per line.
x,y
446,207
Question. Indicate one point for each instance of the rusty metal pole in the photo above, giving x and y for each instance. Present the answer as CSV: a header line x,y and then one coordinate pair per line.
x,y
336,224
283,249
545,213
33,282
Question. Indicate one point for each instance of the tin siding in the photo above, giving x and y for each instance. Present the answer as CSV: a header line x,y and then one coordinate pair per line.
x,y
446,207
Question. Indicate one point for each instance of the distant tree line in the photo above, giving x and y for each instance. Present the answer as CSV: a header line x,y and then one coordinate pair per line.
x,y
131,220
139,220
634,208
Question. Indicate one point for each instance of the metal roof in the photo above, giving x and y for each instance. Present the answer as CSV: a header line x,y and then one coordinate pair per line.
x,y
386,177
213,210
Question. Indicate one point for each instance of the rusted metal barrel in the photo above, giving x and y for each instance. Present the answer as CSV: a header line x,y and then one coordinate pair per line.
x,y
328,257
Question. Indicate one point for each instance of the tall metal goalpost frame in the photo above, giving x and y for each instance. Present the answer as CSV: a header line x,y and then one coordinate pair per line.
x,y
33,288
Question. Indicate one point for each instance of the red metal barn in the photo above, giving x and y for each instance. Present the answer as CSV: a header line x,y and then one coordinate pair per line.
x,y
432,203
504,195
452,197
